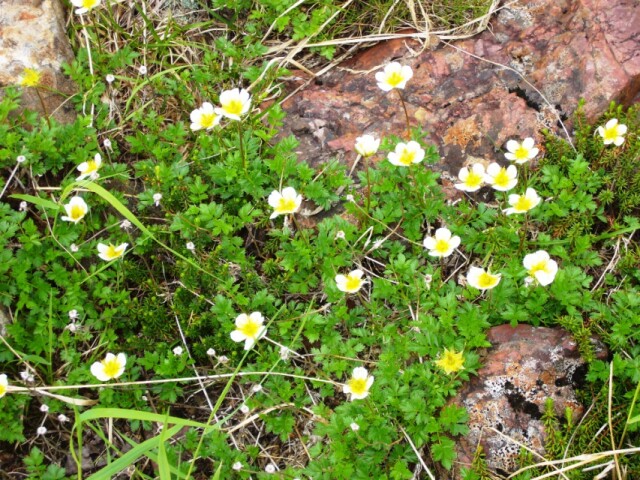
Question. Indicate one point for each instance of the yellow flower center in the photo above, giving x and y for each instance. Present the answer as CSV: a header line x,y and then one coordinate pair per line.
x,y
286,205
207,119
521,153
92,166
473,179
502,178
442,246
358,386
523,204
407,157
234,107
111,367
353,283
451,361
3,390
394,79
250,329
77,212
31,78
89,3
486,280
538,267
610,134
113,252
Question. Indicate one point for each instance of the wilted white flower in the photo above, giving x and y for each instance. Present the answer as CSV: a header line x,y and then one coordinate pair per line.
x,y
73,247
340,235
72,327
256,388
90,168
355,427
21,159
143,69
26,376
190,246
244,409
211,352
73,314
237,466
41,430
62,418
350,198
156,199
107,143
223,359
23,206
270,468
110,78
44,408
125,224
178,350
285,353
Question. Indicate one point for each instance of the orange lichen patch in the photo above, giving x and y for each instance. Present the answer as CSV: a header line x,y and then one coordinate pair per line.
x,y
462,133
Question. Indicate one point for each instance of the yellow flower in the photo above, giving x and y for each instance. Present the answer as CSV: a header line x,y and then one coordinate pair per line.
x,y
394,76
523,203
111,252
359,384
234,103
85,5
4,385
521,152
76,210
540,267
351,282
249,329
30,78
442,244
612,132
204,117
111,367
285,202
481,279
367,145
472,180
451,361
90,168
501,178
406,154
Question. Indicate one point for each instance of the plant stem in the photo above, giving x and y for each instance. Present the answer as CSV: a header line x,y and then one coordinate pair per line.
x,y
406,113
241,140
44,108
368,186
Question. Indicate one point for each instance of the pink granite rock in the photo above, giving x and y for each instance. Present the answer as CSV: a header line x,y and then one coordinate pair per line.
x,y
525,366
567,49
33,35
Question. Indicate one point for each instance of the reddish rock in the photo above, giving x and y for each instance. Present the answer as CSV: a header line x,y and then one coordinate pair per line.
x,y
525,366
33,35
567,49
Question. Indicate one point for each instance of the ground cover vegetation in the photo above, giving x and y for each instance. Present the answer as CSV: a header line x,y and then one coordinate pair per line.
x,y
183,297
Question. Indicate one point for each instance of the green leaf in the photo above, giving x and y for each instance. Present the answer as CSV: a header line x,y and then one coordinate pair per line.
x,y
41,202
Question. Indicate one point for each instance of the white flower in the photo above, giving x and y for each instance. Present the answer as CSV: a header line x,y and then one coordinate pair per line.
x,y
350,283
73,247
111,252
521,152
482,279
442,244
523,203
359,384
223,359
541,267
355,427
76,210
472,180
501,178
107,143
44,408
256,388
237,466
270,468
350,198
21,159
284,353
367,145
211,352
340,235
62,418
23,206
234,103
85,5
244,409
178,350
111,367
72,327
190,246
612,132
204,117
406,154
110,78
125,224
156,199
4,385
42,430
249,328
394,76
143,70
90,168
285,202
73,314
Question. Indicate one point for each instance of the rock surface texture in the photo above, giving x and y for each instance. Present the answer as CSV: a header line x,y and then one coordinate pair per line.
x,y
525,366
32,35
464,98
